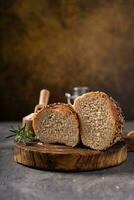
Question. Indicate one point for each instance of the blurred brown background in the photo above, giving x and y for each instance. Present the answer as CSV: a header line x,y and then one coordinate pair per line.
x,y
59,44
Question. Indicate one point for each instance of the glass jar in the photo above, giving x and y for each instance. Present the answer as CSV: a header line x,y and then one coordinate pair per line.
x,y
77,91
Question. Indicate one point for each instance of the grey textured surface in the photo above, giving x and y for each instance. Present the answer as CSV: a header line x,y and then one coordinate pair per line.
x,y
18,182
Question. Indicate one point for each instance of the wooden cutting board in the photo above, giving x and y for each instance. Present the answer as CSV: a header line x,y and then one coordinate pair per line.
x,y
62,158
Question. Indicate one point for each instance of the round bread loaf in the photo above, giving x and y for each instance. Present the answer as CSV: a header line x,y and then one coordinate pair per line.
x,y
57,123
101,120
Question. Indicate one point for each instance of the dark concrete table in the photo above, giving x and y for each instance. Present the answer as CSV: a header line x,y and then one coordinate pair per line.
x,y
18,182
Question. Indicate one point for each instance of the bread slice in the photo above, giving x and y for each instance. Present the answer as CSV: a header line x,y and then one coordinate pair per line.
x,y
101,120
57,123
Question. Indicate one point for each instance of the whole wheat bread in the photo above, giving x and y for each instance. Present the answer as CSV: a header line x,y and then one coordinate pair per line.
x,y
101,120
57,123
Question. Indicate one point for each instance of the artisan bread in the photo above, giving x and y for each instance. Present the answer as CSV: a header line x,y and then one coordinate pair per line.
x,y
101,120
57,123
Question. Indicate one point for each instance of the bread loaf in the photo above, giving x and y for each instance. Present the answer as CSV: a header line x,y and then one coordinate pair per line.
x,y
57,123
101,120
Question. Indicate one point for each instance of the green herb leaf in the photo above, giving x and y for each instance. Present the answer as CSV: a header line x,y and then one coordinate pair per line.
x,y
22,135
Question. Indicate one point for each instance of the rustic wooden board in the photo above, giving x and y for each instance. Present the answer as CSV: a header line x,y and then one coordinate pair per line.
x,y
59,157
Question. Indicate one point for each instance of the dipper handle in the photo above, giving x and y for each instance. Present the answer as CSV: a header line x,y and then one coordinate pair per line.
x,y
27,122
44,97
43,100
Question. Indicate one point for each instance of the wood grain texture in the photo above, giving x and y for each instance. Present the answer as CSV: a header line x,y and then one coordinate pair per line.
x,y
62,158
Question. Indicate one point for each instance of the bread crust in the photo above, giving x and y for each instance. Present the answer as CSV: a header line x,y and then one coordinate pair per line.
x,y
115,111
59,106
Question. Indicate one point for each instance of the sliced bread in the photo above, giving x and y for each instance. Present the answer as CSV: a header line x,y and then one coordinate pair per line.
x,y
101,120
57,123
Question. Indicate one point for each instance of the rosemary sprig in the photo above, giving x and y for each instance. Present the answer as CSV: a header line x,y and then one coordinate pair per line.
x,y
22,135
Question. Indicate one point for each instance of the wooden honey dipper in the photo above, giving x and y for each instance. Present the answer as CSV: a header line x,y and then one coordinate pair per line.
x,y
43,101
129,139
